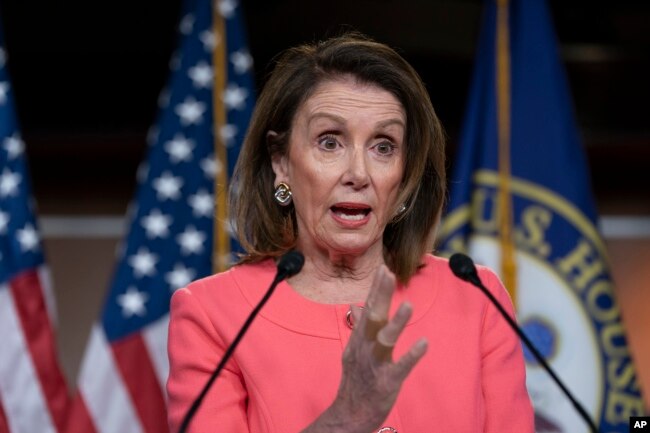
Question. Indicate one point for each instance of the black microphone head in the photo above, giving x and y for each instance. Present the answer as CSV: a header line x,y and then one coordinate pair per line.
x,y
290,263
463,267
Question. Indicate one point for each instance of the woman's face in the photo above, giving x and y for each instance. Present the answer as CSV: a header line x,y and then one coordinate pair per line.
x,y
344,166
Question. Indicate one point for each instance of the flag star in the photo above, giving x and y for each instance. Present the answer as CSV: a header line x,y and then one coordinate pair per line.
x,y
227,133
190,111
191,241
168,186
242,61
234,97
9,182
202,204
133,302
27,238
4,222
143,263
187,24
180,276
201,75
179,149
226,8
156,224
4,88
14,145
211,167
209,40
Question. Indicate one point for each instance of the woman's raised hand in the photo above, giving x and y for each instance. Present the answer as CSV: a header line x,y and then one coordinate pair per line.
x,y
371,378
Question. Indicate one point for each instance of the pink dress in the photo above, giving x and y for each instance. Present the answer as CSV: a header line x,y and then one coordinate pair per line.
x,y
286,370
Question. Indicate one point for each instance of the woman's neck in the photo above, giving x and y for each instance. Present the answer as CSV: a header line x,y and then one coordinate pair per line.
x,y
332,278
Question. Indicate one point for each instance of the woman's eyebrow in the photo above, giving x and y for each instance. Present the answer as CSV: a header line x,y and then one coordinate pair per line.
x,y
390,122
339,119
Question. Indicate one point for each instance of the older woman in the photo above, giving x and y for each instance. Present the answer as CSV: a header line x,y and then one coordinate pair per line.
x,y
344,161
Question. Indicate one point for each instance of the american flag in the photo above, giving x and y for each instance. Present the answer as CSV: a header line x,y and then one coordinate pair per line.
x,y
33,393
172,223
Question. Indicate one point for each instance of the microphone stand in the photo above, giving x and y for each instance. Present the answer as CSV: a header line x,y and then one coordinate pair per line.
x,y
289,264
461,268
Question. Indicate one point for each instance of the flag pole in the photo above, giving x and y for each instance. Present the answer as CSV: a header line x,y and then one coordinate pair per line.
x,y
508,263
220,239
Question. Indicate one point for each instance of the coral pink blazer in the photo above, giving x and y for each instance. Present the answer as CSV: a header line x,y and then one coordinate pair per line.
x,y
286,370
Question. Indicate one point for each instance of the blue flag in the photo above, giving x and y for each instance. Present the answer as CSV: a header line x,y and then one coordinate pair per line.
x,y
172,221
521,203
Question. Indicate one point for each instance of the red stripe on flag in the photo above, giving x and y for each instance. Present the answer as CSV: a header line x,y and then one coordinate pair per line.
x,y
79,420
134,362
34,319
4,427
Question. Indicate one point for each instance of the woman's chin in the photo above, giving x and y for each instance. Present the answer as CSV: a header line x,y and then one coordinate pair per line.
x,y
351,245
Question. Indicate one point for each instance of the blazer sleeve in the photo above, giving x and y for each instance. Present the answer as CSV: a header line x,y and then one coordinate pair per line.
x,y
507,404
195,348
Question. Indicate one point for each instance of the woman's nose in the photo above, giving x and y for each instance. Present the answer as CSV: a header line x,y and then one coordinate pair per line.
x,y
357,174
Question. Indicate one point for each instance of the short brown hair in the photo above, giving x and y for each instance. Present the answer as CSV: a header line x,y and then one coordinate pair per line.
x,y
267,230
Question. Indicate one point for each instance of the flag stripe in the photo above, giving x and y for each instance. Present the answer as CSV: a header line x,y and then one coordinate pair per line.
x,y
4,427
32,387
26,409
103,391
32,311
142,382
155,337
79,420
45,278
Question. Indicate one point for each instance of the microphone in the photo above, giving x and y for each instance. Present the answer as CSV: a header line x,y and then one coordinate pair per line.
x,y
463,267
289,265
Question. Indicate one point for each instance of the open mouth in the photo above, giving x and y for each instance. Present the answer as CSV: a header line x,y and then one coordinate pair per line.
x,y
350,212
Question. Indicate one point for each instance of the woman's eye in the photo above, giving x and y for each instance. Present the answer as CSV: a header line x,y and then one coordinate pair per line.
x,y
385,148
328,143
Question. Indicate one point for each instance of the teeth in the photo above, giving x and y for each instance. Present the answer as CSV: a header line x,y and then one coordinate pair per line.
x,y
351,217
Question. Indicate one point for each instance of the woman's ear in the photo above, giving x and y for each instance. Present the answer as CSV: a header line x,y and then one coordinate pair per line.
x,y
279,161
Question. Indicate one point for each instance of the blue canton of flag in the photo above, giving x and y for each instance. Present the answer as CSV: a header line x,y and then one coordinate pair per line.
x,y
33,393
20,248
565,299
170,240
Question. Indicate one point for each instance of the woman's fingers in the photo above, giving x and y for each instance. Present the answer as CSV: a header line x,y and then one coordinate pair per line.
x,y
389,334
357,312
381,292
371,380
373,322
406,363
373,328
